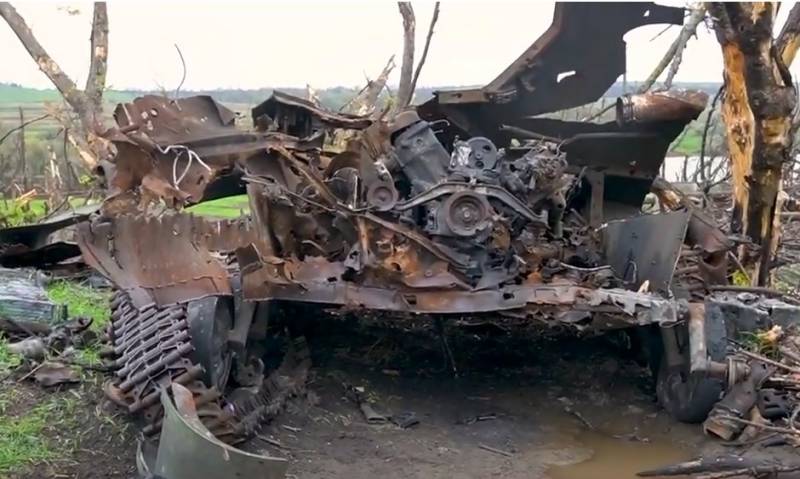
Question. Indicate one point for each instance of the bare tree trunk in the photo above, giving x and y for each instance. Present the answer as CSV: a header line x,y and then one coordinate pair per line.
x,y
405,90
23,162
86,105
64,84
98,64
757,108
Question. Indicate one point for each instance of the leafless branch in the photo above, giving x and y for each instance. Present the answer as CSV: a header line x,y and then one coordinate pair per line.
x,y
708,122
675,52
366,100
23,125
600,113
434,18
47,65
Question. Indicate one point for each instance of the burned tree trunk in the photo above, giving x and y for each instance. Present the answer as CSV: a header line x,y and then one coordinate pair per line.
x,y
757,109
86,105
366,102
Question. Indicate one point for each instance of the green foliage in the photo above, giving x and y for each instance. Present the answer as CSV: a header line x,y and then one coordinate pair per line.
x,y
16,212
740,278
82,301
761,342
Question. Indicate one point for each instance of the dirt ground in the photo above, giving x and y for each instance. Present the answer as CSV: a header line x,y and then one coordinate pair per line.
x,y
558,408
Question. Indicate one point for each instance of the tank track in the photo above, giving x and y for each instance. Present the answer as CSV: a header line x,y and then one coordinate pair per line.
x,y
254,409
149,349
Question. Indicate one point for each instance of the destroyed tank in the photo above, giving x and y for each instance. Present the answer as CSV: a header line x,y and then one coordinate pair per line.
x,y
473,203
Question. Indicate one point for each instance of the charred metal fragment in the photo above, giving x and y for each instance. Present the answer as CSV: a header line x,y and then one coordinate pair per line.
x,y
38,245
181,151
301,118
187,449
573,63
154,260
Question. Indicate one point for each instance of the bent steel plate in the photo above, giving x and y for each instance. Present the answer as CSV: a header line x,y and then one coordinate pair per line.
x,y
187,450
646,248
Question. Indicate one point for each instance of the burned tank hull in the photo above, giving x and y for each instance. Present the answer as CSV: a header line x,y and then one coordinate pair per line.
x,y
465,205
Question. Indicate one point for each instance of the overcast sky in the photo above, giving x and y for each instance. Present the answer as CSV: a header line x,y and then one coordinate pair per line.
x,y
330,43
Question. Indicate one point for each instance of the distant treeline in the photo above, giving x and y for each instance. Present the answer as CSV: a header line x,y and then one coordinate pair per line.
x,y
333,97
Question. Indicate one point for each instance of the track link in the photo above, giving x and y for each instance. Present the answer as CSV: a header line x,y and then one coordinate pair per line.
x,y
149,349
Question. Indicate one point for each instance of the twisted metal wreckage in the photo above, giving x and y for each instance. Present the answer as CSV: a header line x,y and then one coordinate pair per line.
x,y
473,203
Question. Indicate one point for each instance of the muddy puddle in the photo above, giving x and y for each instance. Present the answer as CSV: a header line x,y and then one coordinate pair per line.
x,y
608,457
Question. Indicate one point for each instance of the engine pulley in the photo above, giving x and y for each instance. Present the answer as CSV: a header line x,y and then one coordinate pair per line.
x,y
466,213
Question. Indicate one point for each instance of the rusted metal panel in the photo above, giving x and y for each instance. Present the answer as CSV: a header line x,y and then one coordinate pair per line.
x,y
194,142
646,248
155,260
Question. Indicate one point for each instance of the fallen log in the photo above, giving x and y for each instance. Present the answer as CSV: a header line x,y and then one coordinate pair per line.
x,y
722,466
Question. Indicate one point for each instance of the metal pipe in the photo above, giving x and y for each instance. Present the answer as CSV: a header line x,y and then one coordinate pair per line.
x,y
698,353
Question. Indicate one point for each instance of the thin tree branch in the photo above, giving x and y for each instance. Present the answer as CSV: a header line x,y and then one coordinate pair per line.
x,y
708,122
19,127
434,18
675,51
366,100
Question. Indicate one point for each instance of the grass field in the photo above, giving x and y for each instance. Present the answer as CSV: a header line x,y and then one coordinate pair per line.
x,y
689,144
230,207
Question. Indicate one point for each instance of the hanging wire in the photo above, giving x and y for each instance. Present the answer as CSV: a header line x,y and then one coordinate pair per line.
x,y
179,151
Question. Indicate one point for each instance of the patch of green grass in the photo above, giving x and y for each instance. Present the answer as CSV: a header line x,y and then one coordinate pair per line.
x,y
15,213
89,355
82,301
8,360
230,207
23,438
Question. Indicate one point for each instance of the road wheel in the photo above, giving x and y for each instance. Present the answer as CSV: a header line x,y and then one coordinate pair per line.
x,y
687,397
